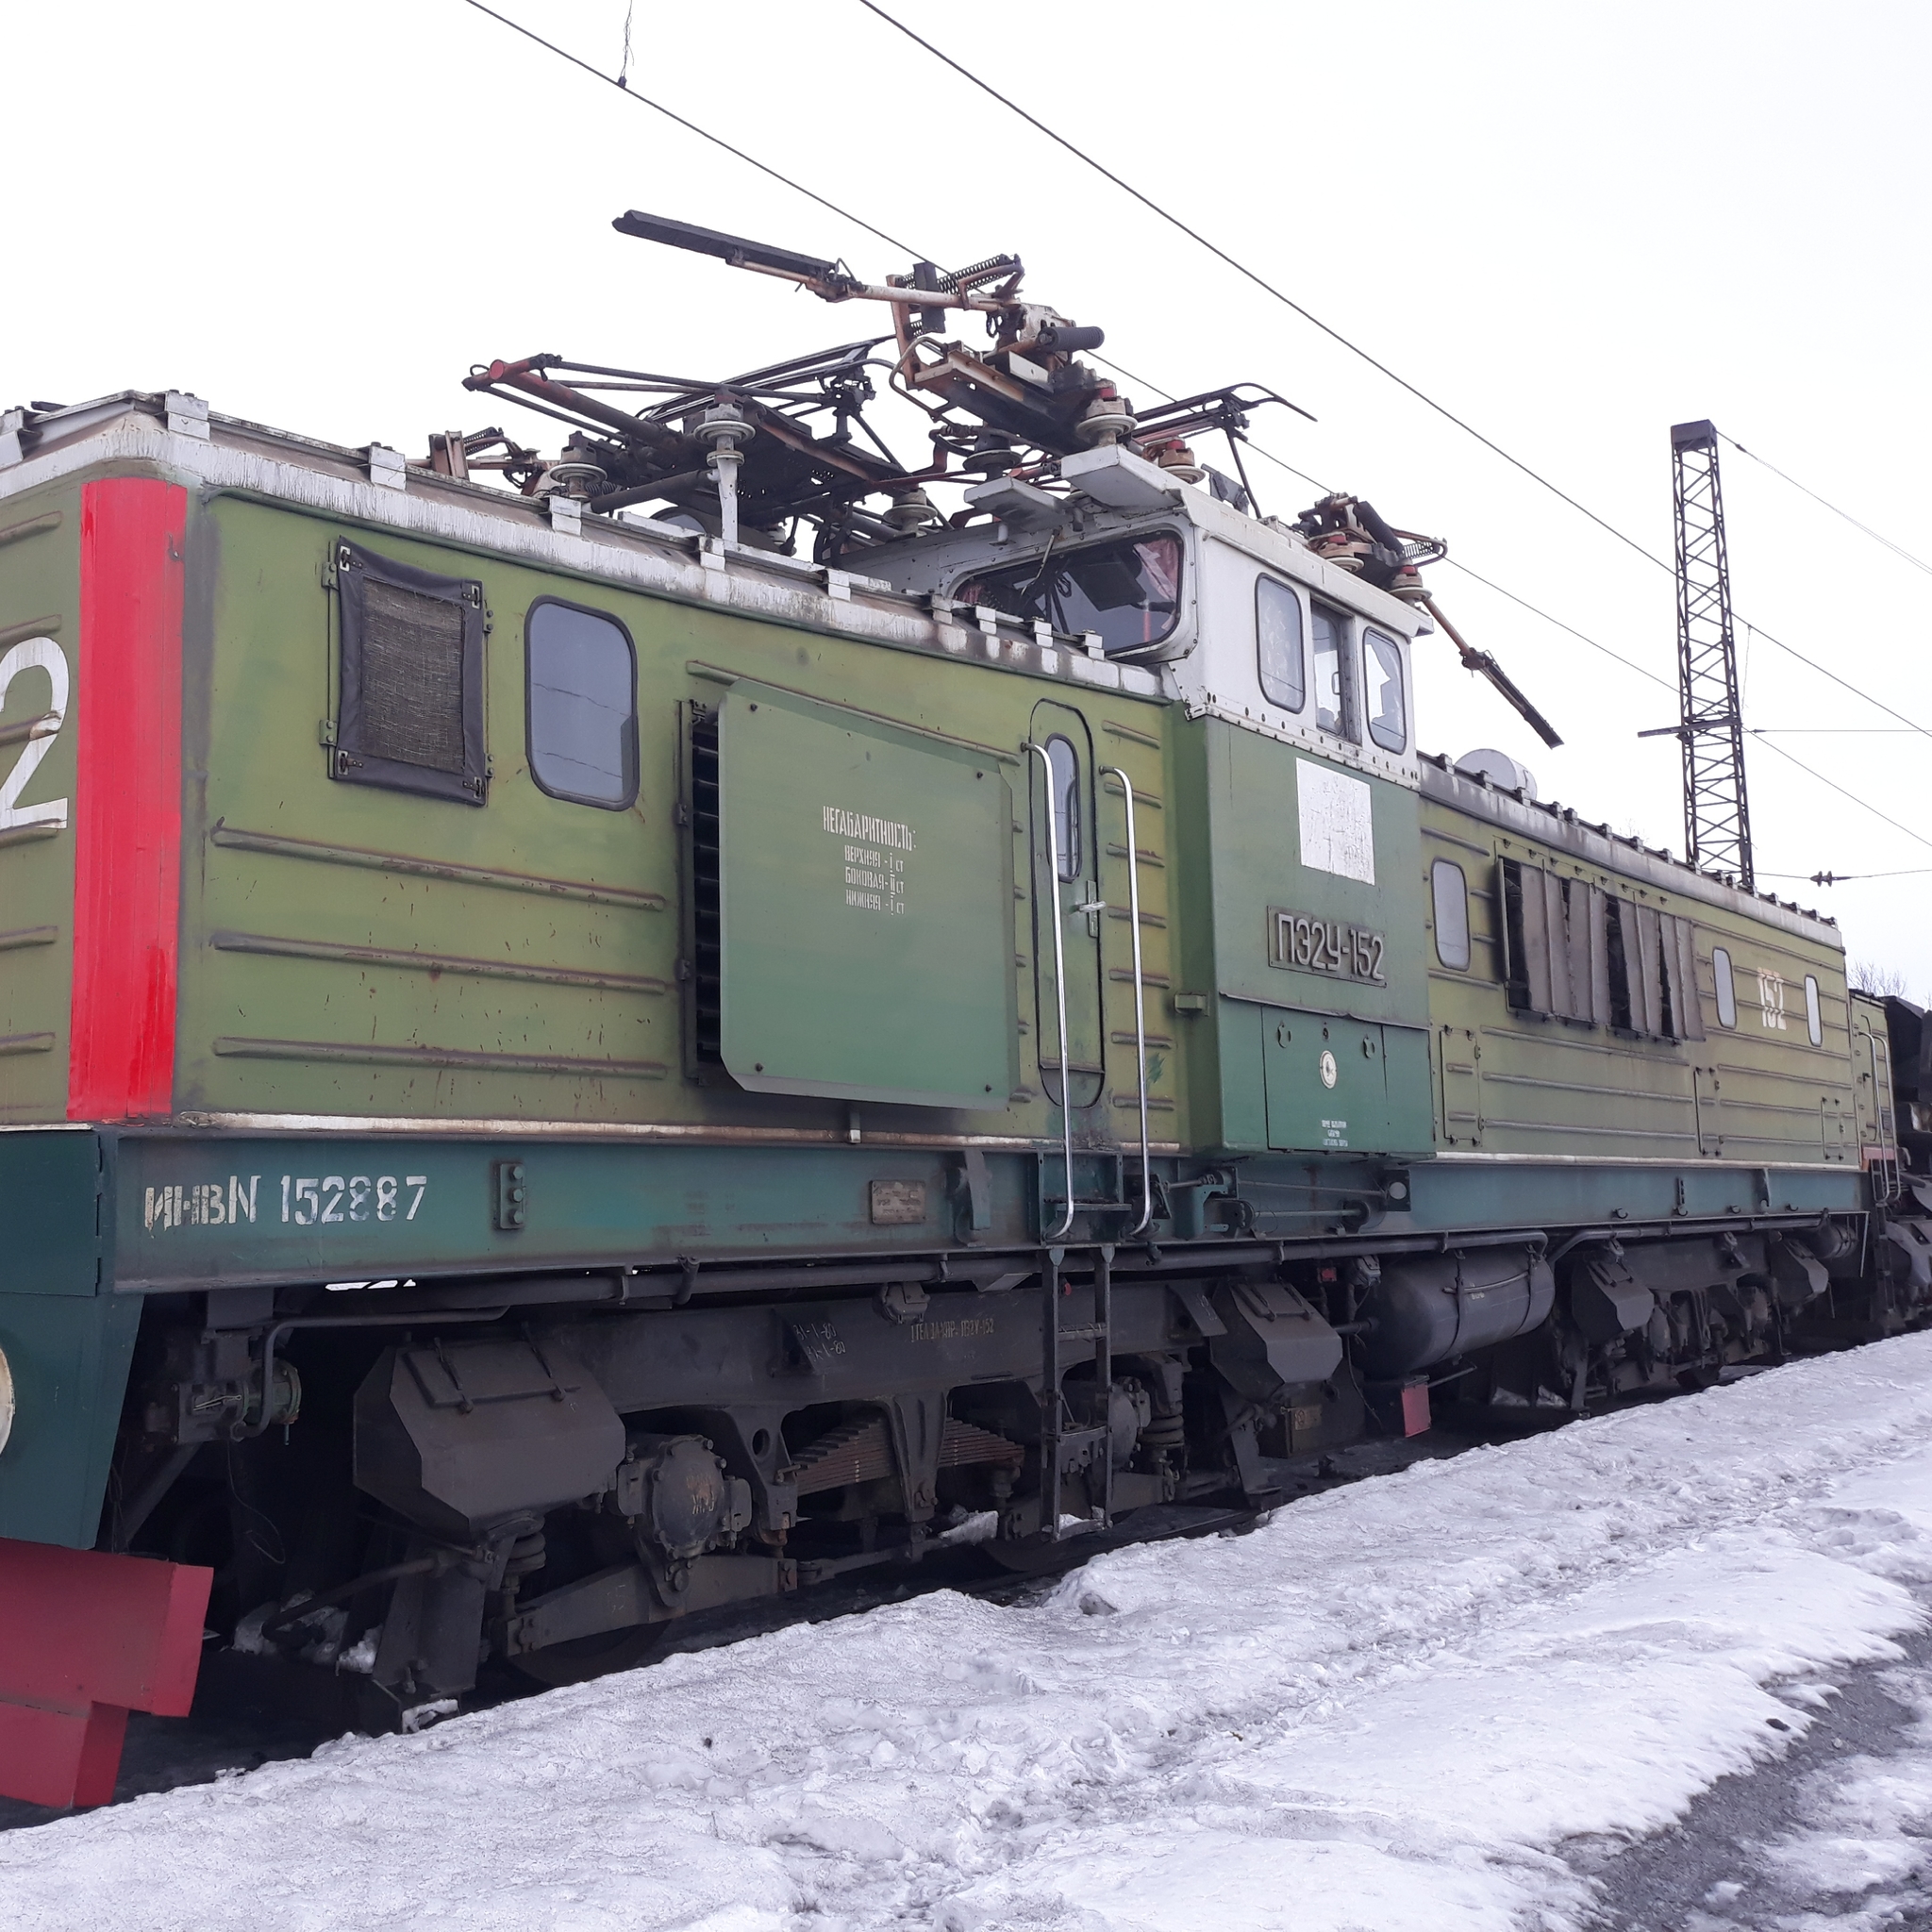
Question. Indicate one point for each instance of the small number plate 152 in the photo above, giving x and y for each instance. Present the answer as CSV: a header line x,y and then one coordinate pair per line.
x,y
1299,940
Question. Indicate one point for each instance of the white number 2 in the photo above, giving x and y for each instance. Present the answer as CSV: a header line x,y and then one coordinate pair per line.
x,y
35,653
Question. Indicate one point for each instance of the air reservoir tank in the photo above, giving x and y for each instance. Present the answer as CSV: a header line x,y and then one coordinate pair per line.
x,y
1432,1306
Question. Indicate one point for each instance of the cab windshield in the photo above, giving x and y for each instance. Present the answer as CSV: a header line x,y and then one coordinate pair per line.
x,y
1129,591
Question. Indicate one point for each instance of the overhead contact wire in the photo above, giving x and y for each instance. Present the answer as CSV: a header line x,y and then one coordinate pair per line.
x,y
1865,805
1630,664
1849,878
1825,503
845,214
624,87
1261,282
1356,349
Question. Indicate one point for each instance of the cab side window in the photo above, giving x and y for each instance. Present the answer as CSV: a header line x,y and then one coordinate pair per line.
x,y
1334,676
1278,644
1388,711
582,704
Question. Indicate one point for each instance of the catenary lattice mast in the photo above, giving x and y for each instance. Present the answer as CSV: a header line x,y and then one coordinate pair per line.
x,y
1716,815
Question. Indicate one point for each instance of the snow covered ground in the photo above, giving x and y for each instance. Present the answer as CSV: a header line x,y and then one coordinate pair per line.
x,y
1429,1701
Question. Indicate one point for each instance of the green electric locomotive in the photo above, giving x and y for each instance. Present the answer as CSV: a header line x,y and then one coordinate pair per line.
x,y
564,1063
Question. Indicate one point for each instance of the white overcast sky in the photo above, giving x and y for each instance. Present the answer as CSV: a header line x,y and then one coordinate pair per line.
x,y
1572,225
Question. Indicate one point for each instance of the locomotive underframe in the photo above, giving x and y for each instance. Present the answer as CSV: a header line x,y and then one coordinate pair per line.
x,y
560,1449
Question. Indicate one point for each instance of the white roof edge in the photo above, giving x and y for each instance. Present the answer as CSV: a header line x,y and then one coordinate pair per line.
x,y
131,427
1543,825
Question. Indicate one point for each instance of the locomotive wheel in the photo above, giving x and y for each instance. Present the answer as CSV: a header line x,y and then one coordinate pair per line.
x,y
579,1659
1030,1559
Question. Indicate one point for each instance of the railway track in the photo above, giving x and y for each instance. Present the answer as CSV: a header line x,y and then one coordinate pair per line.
x,y
253,1710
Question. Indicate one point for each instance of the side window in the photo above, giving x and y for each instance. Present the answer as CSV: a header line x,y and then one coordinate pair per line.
x,y
1726,987
1449,890
1814,1022
1334,676
582,691
1065,765
1382,662
1278,644
409,709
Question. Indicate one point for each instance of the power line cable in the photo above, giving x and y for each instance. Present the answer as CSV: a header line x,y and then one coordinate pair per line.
x,y
623,86
1279,464
1897,549
1261,282
845,214
1848,878
1865,805
1355,348
1582,637
1630,664
621,83
1844,683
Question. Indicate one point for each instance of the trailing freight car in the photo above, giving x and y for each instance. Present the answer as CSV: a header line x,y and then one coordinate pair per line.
x,y
561,1067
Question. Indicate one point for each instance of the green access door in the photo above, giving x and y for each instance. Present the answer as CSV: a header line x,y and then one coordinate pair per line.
x,y
1345,1085
865,906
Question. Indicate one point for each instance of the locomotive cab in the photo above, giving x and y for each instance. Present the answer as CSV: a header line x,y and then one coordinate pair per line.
x,y
1292,680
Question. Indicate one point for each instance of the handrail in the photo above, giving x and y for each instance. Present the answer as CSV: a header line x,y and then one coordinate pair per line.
x,y
1139,1004
1059,988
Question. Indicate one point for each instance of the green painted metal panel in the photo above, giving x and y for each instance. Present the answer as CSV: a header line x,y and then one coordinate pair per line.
x,y
351,950
193,1213
67,1344
347,950
1240,1102
865,906
1294,835
1345,1084
1528,1083
1411,1109
69,1358
1488,1191
40,597
1315,905
50,1185
1327,1088
1211,1056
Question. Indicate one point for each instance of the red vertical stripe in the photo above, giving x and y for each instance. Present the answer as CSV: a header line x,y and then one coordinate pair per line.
x,y
127,800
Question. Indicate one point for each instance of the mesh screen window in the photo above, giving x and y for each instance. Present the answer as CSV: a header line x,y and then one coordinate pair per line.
x,y
411,714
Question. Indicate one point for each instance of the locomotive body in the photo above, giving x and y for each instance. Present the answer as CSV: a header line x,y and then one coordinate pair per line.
x,y
583,1070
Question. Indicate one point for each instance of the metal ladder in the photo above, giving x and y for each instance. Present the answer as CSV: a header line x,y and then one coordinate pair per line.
x,y
1062,1441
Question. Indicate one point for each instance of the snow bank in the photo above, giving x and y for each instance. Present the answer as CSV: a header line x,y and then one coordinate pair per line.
x,y
1387,1709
